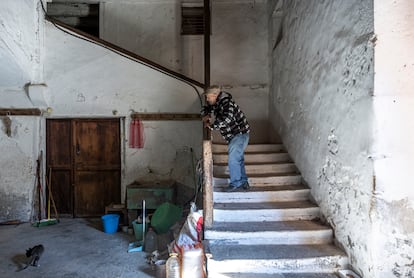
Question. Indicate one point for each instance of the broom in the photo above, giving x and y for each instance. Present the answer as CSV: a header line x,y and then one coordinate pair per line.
x,y
48,221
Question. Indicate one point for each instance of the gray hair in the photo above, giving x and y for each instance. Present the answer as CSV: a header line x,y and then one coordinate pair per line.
x,y
213,89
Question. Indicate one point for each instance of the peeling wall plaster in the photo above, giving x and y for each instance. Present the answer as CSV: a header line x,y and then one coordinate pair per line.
x,y
321,105
393,103
18,167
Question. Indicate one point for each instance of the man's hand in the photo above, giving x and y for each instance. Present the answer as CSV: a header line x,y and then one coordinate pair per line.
x,y
207,121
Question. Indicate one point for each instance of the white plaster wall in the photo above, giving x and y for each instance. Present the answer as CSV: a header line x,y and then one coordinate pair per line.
x,y
321,105
21,58
21,38
394,133
19,152
239,59
86,80
148,28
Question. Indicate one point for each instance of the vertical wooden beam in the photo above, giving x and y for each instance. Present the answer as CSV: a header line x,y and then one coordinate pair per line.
x,y
207,31
208,184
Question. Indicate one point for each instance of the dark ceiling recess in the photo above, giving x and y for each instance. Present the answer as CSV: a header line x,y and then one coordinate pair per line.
x,y
82,16
192,20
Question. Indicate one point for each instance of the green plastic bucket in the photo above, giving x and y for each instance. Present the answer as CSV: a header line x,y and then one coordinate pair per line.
x,y
165,216
138,229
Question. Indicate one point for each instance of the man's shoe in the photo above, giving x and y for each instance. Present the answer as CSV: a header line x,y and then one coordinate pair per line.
x,y
232,188
246,186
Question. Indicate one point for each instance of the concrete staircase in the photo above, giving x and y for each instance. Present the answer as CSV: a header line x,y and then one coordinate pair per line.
x,y
272,230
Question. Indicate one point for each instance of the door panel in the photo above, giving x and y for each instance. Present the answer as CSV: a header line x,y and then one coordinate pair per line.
x,y
94,190
97,165
59,162
62,191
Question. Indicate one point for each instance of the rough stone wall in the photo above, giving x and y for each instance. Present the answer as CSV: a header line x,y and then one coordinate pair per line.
x,y
394,133
321,105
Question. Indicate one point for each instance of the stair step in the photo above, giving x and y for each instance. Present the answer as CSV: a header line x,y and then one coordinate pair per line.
x,y
261,233
263,194
222,148
262,179
275,259
223,169
259,157
269,211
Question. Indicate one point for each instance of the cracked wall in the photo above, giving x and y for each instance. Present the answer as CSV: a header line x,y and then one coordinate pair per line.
x,y
18,167
394,150
321,106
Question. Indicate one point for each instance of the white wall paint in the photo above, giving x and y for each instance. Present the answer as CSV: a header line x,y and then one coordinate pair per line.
x,y
239,59
21,39
150,29
393,106
321,105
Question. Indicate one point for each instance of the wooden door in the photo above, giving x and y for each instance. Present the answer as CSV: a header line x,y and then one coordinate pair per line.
x,y
84,155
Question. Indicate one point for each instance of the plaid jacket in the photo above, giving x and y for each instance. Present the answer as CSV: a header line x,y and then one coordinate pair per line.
x,y
229,119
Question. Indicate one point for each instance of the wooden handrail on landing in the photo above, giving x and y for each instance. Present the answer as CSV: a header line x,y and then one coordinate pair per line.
x,y
124,52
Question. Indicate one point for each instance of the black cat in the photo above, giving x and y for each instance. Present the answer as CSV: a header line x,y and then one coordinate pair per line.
x,y
34,255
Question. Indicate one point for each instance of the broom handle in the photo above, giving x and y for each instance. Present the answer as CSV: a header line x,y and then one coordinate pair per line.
x,y
39,189
51,194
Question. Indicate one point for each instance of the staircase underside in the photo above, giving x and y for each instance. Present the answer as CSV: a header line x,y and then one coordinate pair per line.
x,y
271,230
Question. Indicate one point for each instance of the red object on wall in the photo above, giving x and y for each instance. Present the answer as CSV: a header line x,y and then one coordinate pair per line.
x,y
136,134
131,133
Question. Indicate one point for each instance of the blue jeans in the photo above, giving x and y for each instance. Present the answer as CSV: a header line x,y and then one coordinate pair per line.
x,y
236,148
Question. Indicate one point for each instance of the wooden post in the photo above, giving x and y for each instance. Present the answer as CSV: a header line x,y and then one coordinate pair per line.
x,y
207,32
208,183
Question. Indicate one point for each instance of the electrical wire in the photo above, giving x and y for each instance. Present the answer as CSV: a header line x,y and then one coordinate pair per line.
x,y
123,55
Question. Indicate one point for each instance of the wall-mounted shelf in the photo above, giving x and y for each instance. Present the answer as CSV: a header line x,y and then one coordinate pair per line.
x,y
20,112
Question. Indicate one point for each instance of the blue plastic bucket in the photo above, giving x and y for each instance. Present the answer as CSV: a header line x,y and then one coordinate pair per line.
x,y
110,223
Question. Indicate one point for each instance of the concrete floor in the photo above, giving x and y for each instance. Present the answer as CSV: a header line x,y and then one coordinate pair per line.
x,y
73,248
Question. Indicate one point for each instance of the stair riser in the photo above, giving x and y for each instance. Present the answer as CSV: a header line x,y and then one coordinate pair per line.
x,y
314,265
261,197
263,238
221,215
252,148
259,169
255,158
262,181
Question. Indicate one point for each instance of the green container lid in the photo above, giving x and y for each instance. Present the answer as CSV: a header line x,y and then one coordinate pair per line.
x,y
165,216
